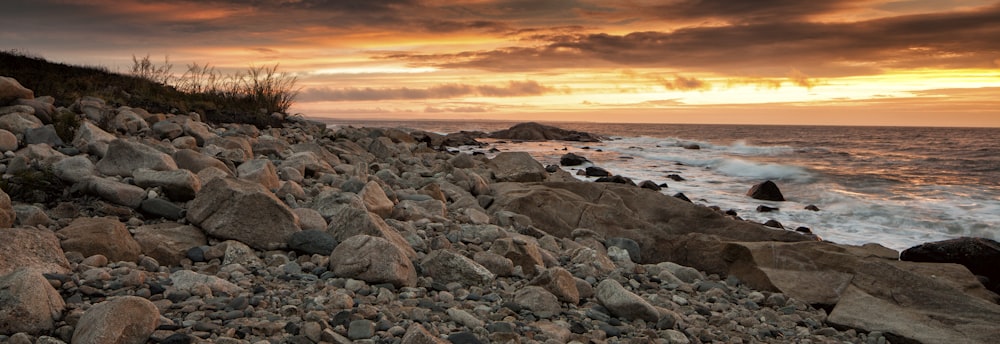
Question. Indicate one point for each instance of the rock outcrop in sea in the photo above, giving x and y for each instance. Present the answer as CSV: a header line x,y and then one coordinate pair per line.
x,y
160,228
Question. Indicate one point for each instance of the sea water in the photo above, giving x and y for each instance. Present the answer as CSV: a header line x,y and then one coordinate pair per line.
x,y
895,186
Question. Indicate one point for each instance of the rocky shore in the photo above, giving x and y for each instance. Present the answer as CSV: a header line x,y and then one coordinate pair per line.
x,y
161,228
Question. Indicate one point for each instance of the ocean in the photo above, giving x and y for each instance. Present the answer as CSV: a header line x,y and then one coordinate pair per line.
x,y
896,186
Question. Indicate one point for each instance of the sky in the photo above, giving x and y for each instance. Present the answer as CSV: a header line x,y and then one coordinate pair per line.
x,y
832,62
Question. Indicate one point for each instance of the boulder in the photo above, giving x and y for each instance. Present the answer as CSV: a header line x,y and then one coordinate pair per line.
x,y
113,191
178,185
92,139
104,235
19,122
124,157
532,131
538,300
523,253
594,171
623,303
767,191
8,142
43,110
560,283
516,167
375,199
45,134
348,220
167,130
32,248
129,122
649,184
307,163
158,207
374,260
260,171
28,303
310,219
168,242
7,213
195,162
190,281
634,251
312,241
11,90
30,215
447,267
619,179
200,131
240,210
120,320
980,255
571,159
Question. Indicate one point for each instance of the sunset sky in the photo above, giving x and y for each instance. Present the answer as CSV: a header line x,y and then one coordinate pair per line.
x,y
853,62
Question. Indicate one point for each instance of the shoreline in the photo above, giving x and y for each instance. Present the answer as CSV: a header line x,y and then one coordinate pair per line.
x,y
163,228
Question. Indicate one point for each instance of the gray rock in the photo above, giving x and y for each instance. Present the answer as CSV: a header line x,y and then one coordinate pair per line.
x,y
167,130
259,171
30,215
159,207
449,267
623,303
28,303
538,300
465,318
200,131
19,122
517,167
310,219
124,320
307,163
373,260
45,134
375,199
684,273
495,263
560,283
361,329
196,162
629,245
168,242
74,169
244,211
417,334
92,139
190,281
312,241
239,253
112,191
178,185
124,157
523,253
348,220
129,122
43,110
104,235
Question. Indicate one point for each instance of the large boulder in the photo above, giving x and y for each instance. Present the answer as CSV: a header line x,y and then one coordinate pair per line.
x,y
532,131
43,110
980,255
236,209
645,216
867,287
261,171
113,191
767,191
376,200
11,90
121,320
168,242
517,167
373,260
105,236
195,162
124,157
349,220
31,248
178,185
571,159
28,303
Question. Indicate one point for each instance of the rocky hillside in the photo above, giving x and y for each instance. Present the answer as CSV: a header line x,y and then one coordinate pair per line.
x,y
145,227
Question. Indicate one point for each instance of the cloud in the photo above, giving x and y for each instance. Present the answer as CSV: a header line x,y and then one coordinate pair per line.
x,y
801,79
460,109
760,83
682,83
760,48
443,91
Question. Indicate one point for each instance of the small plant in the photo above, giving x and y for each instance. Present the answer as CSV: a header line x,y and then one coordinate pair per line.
x,y
34,186
146,69
65,123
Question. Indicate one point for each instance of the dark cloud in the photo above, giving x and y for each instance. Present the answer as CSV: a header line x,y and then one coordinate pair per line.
x,y
748,11
682,83
511,89
966,39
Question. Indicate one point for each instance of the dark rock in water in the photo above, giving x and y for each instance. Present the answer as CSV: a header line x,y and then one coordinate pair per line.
x,y
616,179
765,209
774,224
532,131
162,208
648,184
804,230
551,168
594,171
731,212
767,191
692,146
570,159
628,244
312,242
812,207
663,185
980,255
675,177
464,338
681,196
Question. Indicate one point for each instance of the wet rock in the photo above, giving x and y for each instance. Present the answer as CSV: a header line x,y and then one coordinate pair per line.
x,y
766,209
570,159
980,255
767,191
649,184
594,171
